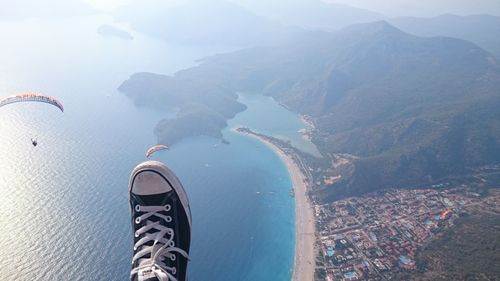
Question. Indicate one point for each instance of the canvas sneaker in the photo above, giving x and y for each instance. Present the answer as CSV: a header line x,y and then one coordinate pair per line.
x,y
161,222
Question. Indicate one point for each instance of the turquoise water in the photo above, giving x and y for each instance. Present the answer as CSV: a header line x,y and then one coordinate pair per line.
x,y
64,211
268,117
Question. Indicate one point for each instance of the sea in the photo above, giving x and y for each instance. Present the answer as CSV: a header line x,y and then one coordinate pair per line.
x,y
64,204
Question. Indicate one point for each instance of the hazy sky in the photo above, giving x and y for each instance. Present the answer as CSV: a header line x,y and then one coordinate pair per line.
x,y
20,9
426,8
390,8
106,4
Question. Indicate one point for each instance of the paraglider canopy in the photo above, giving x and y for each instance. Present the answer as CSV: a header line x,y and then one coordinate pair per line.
x,y
31,97
154,149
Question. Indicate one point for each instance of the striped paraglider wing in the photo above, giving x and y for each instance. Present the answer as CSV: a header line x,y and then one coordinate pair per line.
x,y
31,97
154,149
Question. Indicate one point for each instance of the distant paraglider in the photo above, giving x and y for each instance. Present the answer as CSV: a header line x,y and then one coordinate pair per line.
x,y
154,149
31,97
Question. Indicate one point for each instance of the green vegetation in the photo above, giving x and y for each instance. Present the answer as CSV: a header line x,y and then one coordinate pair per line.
x,y
468,251
192,120
204,108
474,28
411,111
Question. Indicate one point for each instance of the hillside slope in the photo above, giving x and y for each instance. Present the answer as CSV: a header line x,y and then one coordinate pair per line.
x,y
413,110
482,30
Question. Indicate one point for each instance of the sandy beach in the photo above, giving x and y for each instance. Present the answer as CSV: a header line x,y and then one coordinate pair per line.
x,y
304,226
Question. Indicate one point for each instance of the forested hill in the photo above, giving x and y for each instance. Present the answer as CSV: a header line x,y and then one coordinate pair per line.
x,y
412,109
479,29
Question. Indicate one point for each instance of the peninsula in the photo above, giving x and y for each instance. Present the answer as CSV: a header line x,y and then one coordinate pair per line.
x,y
381,119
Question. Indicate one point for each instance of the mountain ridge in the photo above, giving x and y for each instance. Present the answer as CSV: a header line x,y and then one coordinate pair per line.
x,y
220,23
400,103
479,29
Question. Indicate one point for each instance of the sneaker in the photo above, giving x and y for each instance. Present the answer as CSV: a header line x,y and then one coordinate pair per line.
x,y
161,220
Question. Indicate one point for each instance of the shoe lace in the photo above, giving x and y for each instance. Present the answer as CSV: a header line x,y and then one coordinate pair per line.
x,y
162,248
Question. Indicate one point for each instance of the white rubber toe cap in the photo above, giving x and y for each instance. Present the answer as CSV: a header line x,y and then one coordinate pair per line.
x,y
149,183
153,177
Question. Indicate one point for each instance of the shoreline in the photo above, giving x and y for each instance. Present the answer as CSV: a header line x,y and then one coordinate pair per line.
x,y
304,264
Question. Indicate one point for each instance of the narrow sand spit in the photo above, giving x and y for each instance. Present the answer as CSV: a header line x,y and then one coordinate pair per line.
x,y
304,225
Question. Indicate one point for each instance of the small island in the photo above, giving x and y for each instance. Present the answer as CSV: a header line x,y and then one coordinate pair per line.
x,y
111,31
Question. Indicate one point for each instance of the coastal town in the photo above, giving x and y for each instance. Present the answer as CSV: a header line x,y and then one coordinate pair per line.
x,y
378,235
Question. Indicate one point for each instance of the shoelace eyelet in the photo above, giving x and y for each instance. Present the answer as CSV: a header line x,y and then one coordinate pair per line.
x,y
158,256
